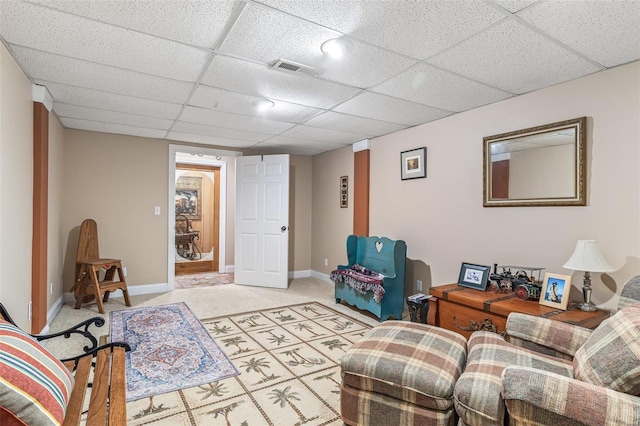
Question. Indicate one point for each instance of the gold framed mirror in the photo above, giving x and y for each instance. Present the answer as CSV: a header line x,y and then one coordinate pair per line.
x,y
538,166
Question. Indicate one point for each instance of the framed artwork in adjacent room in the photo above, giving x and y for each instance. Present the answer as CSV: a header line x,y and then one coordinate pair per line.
x,y
555,291
413,163
473,276
188,197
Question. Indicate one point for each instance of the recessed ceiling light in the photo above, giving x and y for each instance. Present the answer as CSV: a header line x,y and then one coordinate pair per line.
x,y
263,104
336,48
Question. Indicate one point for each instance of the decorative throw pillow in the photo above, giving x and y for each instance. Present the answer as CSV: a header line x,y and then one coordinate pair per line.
x,y
34,385
611,355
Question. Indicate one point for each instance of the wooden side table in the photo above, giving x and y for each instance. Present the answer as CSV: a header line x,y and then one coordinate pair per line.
x,y
465,310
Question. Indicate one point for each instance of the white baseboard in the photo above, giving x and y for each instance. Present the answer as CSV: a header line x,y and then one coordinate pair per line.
x,y
229,269
320,276
299,274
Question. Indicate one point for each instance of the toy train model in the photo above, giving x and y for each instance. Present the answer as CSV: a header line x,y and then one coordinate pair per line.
x,y
524,282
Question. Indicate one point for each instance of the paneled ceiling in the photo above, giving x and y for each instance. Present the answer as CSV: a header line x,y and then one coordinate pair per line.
x,y
193,70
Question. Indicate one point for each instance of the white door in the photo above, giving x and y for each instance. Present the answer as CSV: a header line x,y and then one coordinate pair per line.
x,y
262,221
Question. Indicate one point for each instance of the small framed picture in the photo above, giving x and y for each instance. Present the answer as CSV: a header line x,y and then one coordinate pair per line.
x,y
344,188
473,276
413,163
555,291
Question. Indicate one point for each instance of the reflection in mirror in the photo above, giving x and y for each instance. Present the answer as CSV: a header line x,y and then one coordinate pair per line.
x,y
539,166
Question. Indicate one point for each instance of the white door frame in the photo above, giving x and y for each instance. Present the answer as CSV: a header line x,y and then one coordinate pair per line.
x,y
195,155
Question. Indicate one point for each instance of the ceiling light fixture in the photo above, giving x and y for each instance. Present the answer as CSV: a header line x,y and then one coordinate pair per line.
x,y
263,104
336,48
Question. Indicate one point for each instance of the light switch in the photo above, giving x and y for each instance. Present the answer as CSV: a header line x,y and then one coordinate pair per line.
x,y
157,211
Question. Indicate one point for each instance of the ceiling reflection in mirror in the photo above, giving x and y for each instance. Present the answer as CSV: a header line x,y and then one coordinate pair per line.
x,y
538,166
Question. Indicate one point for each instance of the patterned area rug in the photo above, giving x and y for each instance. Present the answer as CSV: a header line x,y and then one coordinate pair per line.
x,y
203,279
289,359
170,350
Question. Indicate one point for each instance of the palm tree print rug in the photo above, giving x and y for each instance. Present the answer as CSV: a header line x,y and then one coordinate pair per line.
x,y
289,360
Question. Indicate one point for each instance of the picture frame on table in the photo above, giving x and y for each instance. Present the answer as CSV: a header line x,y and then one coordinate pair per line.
x,y
555,291
413,163
474,276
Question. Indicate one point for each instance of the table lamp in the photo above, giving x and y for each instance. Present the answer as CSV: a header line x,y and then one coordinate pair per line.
x,y
586,257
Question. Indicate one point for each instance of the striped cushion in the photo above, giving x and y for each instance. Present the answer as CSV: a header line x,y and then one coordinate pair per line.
x,y
477,393
34,385
611,355
411,362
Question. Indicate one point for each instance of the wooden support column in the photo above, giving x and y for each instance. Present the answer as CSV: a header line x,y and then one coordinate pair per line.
x,y
361,188
40,216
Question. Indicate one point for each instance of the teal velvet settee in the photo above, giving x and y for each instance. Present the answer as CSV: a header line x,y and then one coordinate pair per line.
x,y
374,278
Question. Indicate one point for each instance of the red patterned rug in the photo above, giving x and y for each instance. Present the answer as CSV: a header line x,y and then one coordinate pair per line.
x,y
170,350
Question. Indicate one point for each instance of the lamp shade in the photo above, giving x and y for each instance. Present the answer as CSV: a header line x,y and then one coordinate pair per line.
x,y
586,257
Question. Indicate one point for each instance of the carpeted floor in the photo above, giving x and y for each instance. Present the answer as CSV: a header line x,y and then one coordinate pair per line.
x,y
202,279
210,302
290,374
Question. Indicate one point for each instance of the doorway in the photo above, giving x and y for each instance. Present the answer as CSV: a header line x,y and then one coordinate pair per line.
x,y
197,208
204,161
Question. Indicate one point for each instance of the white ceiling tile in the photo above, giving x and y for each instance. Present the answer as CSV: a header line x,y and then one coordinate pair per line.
x,y
289,142
101,115
221,132
288,149
605,31
418,28
94,126
267,35
223,100
246,77
512,57
351,123
324,135
209,140
110,101
440,89
514,5
195,22
48,67
381,107
233,121
83,38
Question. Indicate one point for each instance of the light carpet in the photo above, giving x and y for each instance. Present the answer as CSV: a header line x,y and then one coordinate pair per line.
x,y
170,350
290,372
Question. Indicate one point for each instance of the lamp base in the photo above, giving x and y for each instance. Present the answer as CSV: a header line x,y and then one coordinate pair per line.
x,y
589,307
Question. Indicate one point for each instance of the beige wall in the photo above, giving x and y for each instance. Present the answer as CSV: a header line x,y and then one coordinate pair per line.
x,y
16,189
117,180
300,189
331,224
55,238
442,219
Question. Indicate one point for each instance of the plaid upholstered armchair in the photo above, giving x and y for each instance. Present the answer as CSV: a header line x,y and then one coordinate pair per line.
x,y
552,373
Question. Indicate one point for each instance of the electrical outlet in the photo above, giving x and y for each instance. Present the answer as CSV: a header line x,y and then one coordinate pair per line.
x,y
124,271
29,311
156,210
326,262
419,285
50,288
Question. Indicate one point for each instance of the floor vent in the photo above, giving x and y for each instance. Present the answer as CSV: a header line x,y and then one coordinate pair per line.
x,y
290,66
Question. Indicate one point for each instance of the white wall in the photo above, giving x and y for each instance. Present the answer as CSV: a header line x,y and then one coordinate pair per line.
x,y
16,189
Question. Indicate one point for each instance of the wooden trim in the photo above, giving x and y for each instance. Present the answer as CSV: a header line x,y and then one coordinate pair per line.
x,y
40,217
216,219
361,164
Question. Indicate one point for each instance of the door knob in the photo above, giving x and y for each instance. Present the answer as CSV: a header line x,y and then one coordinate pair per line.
x,y
284,228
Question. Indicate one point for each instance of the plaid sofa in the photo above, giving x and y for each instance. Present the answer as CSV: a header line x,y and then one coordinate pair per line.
x,y
402,373
552,373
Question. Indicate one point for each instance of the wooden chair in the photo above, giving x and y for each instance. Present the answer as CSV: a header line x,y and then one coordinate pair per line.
x,y
88,265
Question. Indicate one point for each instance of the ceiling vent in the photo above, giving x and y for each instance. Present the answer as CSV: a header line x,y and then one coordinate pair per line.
x,y
290,66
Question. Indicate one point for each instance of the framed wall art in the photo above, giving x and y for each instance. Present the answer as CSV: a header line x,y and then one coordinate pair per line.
x,y
413,163
555,291
344,190
188,197
473,276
